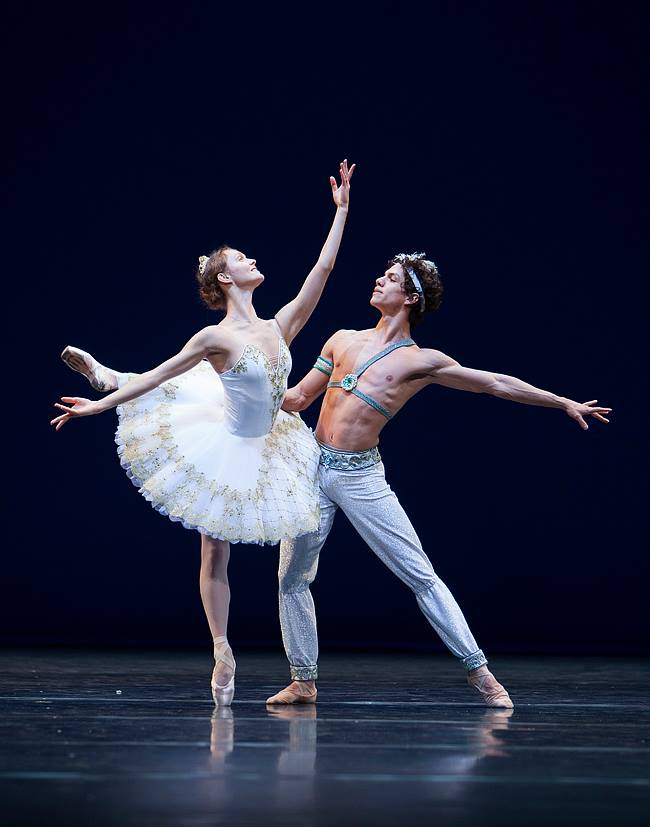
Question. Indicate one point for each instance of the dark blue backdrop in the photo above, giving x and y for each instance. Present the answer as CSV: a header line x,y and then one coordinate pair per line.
x,y
507,141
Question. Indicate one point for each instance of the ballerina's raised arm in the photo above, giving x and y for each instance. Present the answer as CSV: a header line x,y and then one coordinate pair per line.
x,y
294,315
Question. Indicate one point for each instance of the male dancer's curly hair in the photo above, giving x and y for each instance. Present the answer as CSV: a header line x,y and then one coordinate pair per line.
x,y
429,277
210,289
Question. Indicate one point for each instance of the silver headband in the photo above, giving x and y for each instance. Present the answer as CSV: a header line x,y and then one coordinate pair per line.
x,y
417,285
402,259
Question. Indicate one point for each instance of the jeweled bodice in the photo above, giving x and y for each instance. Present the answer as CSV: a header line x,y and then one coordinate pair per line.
x,y
254,388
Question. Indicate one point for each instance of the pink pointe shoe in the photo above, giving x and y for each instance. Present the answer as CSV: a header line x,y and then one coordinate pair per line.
x,y
296,693
101,378
222,694
489,688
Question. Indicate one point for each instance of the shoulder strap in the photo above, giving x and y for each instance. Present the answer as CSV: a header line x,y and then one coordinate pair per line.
x,y
278,329
382,353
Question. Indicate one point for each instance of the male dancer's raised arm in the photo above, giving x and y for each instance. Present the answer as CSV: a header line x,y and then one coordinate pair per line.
x,y
294,315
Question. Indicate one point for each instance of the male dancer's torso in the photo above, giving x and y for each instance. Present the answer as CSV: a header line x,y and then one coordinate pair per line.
x,y
346,421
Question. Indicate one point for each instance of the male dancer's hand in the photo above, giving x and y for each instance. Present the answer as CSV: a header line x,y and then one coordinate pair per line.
x,y
578,412
341,195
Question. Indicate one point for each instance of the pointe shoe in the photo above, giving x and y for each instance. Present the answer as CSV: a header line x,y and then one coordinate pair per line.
x,y
101,378
489,688
222,694
292,694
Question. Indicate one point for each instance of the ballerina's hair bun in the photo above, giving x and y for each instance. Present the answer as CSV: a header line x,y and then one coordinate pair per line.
x,y
208,269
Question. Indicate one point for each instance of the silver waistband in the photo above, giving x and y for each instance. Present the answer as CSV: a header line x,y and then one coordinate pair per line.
x,y
348,460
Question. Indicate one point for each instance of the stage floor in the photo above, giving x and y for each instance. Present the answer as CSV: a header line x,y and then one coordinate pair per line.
x,y
93,739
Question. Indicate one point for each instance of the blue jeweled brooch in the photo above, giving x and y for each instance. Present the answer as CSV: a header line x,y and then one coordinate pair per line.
x,y
349,382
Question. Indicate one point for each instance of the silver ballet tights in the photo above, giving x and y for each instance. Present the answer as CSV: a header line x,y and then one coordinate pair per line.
x,y
373,509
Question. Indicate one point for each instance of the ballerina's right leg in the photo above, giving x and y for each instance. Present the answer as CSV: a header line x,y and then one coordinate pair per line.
x,y
215,595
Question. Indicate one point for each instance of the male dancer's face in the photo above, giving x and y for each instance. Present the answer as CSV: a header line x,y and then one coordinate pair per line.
x,y
243,270
389,296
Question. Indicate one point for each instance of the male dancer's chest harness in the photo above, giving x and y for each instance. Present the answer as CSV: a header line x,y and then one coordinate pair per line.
x,y
350,380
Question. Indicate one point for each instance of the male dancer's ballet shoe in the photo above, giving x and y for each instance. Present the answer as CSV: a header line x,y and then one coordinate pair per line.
x,y
222,694
101,378
489,688
295,693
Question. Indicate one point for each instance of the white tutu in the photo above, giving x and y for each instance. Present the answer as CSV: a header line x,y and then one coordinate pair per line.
x,y
182,445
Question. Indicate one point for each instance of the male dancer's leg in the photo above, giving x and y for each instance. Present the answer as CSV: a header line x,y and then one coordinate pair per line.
x,y
297,570
373,509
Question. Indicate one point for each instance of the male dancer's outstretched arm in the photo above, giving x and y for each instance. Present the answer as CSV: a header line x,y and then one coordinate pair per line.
x,y
443,370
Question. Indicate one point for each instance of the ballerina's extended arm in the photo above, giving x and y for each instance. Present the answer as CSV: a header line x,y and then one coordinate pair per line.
x,y
444,370
204,342
294,315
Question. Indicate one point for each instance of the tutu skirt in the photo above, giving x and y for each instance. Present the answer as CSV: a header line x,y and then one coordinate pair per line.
x,y
175,447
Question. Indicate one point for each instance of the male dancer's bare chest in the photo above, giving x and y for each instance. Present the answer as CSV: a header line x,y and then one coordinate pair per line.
x,y
347,421
386,380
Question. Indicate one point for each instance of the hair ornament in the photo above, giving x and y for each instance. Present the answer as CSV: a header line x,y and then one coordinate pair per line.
x,y
203,263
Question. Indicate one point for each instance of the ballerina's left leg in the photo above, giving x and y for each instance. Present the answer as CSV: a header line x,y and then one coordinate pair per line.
x,y
215,595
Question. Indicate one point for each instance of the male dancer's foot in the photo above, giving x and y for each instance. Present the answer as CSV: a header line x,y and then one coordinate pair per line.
x,y
298,692
101,378
489,688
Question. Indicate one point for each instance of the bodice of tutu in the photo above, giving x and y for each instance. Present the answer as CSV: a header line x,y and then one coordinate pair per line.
x,y
254,389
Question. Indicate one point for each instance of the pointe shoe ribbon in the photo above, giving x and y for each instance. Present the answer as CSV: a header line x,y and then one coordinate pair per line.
x,y
492,692
222,694
293,696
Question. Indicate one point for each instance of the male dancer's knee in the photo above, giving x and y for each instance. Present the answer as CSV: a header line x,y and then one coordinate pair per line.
x,y
411,565
298,566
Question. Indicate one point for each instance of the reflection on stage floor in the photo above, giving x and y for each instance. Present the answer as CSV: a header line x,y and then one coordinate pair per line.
x,y
99,738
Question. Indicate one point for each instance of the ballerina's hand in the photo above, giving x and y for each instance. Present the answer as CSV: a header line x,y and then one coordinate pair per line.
x,y
80,407
341,195
578,412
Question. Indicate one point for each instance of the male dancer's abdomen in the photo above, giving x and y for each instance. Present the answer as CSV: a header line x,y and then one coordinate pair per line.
x,y
348,423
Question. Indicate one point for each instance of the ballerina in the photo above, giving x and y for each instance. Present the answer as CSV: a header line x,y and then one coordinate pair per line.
x,y
202,435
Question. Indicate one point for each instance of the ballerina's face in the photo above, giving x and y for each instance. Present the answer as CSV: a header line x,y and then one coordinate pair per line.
x,y
243,270
389,295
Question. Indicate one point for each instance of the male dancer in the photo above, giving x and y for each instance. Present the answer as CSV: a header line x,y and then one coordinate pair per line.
x,y
368,375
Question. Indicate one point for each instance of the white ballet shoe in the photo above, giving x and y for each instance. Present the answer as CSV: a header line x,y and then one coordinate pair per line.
x,y
101,378
222,694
